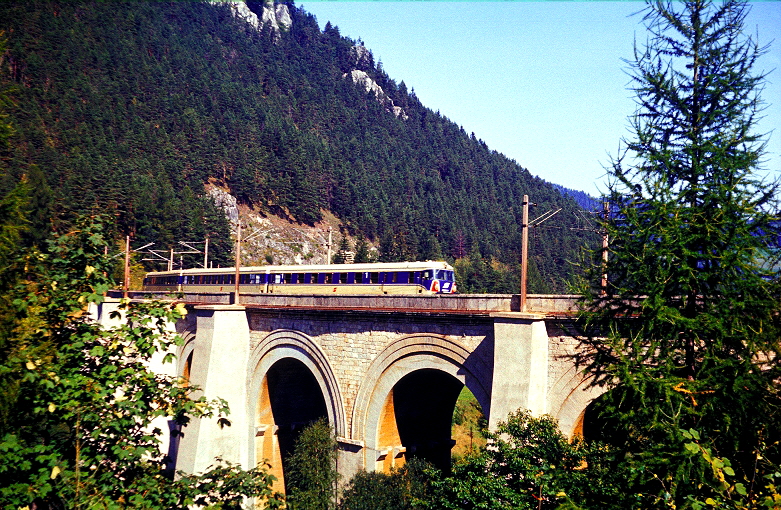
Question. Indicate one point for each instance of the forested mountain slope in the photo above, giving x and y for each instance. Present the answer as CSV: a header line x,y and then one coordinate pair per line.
x,y
130,108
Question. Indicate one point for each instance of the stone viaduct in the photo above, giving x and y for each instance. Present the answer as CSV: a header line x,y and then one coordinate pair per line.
x,y
384,370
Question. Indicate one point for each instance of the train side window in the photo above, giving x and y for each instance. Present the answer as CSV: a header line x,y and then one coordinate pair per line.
x,y
327,278
287,278
338,278
374,277
427,274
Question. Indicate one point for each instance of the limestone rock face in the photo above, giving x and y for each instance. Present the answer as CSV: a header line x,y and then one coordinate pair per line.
x,y
283,16
226,202
362,57
275,16
361,78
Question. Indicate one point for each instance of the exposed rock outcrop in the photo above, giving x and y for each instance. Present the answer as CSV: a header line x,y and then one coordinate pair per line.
x,y
275,16
226,202
361,78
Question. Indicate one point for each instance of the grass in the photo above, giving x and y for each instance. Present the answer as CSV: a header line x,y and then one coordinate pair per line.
x,y
468,425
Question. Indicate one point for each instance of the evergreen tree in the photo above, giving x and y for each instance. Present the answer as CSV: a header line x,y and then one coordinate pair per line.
x,y
362,250
687,337
344,247
312,476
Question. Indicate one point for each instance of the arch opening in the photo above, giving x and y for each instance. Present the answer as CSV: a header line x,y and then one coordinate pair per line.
x,y
417,418
290,399
594,425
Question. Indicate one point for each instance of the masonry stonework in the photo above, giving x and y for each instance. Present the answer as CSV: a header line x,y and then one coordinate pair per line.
x,y
356,353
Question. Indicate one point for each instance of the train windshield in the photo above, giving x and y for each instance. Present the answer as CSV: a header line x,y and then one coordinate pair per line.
x,y
443,274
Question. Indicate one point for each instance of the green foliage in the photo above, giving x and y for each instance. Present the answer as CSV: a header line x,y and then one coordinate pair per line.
x,y
143,103
344,246
80,417
362,253
405,488
527,463
478,275
687,336
311,474
726,491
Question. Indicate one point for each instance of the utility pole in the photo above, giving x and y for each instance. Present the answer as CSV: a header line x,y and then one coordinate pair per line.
x,y
238,262
126,282
525,225
524,250
206,253
126,279
330,233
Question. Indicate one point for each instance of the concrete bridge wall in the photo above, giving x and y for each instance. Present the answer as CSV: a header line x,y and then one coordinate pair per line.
x,y
358,353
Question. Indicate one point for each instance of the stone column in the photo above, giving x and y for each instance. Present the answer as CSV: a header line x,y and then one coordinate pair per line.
x,y
219,368
520,374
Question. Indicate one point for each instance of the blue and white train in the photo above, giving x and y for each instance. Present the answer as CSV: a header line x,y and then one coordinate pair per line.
x,y
432,277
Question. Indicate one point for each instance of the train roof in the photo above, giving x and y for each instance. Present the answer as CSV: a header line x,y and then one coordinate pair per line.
x,y
334,268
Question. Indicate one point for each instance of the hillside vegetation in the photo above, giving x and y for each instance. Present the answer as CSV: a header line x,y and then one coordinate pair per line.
x,y
132,108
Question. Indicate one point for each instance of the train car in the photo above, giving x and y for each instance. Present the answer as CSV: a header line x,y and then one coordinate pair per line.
x,y
378,278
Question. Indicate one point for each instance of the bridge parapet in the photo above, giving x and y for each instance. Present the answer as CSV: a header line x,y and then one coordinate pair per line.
x,y
545,304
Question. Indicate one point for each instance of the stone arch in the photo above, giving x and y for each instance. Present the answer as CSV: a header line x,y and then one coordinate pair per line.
x,y
295,361
184,355
186,327
569,397
285,343
410,354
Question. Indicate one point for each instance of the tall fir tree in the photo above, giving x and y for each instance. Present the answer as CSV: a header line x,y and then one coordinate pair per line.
x,y
686,333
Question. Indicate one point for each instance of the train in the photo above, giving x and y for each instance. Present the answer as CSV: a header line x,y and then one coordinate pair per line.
x,y
431,277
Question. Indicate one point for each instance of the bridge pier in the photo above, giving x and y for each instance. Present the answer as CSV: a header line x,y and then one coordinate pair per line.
x,y
520,372
219,365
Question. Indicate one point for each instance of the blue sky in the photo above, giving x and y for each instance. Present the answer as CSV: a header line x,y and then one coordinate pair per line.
x,y
541,82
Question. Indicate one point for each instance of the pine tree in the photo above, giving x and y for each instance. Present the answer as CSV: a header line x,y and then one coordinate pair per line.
x,y
687,337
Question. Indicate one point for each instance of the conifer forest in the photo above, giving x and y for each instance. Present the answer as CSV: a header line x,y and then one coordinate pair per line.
x,y
131,108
